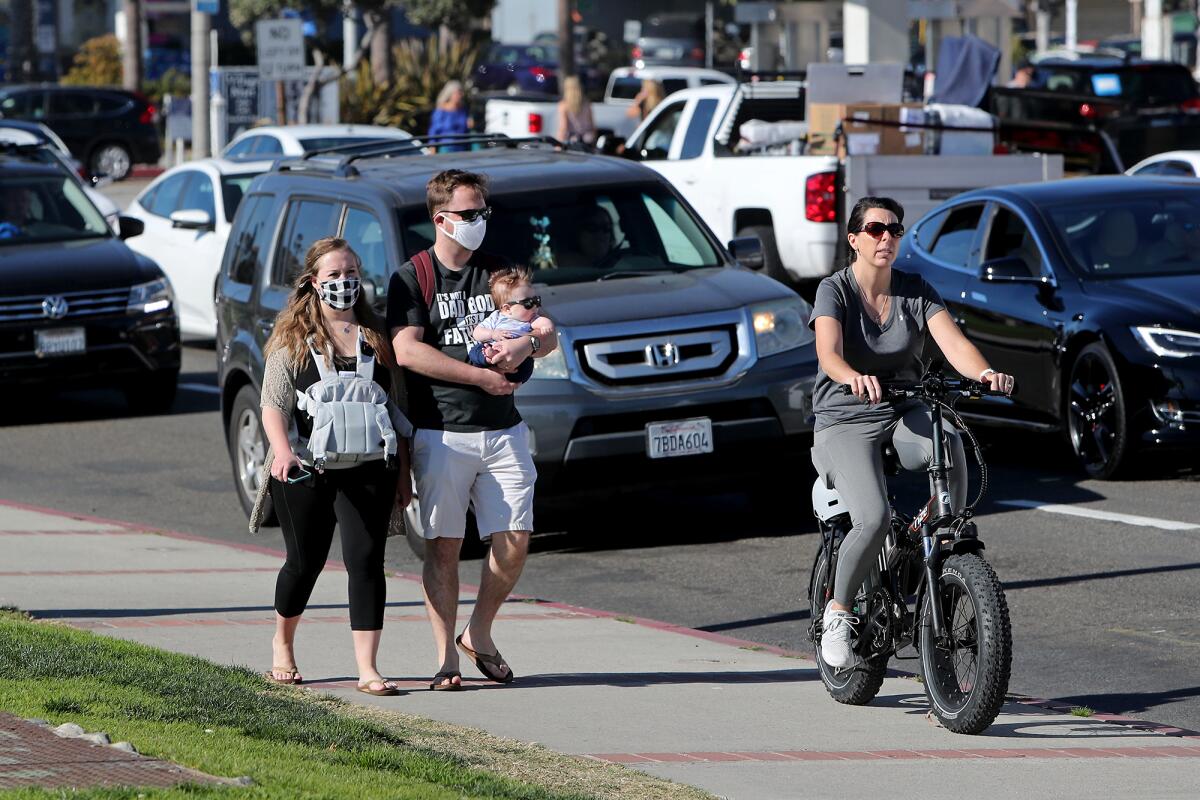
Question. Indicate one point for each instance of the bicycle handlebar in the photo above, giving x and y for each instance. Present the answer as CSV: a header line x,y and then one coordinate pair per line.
x,y
934,387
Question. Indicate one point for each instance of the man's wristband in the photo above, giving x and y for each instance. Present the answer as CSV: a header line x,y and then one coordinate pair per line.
x,y
983,375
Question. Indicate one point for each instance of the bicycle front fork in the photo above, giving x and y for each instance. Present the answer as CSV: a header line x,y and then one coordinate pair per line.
x,y
933,573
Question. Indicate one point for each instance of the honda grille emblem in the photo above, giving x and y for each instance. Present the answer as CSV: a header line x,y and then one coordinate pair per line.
x,y
663,355
55,307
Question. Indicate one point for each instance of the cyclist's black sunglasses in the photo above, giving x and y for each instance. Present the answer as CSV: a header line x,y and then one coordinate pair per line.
x,y
470,214
875,229
528,303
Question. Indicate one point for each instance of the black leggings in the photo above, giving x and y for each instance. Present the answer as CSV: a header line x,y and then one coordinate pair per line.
x,y
359,501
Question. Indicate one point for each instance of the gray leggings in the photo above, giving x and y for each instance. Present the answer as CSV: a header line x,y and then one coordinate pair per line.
x,y
850,456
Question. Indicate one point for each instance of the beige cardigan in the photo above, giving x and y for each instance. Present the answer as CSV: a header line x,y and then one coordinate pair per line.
x,y
279,392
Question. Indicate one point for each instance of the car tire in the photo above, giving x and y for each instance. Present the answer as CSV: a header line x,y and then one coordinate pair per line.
x,y
248,451
1096,414
154,394
111,159
772,264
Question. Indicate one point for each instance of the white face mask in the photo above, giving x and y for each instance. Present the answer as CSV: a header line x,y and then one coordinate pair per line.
x,y
468,234
340,293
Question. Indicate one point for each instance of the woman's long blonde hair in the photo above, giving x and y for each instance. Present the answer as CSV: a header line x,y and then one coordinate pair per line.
x,y
448,91
655,94
572,96
301,318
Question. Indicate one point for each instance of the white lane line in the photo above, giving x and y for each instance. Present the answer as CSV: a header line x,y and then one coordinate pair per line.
x,y
200,387
1110,516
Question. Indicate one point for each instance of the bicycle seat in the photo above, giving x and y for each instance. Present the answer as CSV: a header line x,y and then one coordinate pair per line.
x,y
891,460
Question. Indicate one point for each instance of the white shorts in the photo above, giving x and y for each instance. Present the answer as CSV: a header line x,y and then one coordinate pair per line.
x,y
492,470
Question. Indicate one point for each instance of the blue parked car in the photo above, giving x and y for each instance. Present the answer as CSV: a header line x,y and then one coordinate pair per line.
x,y
519,68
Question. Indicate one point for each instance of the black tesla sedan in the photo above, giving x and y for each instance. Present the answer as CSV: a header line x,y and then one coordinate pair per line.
x,y
1088,291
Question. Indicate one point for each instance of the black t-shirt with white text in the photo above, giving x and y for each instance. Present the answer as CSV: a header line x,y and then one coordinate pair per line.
x,y
461,300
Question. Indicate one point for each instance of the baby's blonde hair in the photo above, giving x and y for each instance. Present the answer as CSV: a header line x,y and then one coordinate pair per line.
x,y
503,281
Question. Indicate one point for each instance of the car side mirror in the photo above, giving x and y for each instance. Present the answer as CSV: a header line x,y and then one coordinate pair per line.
x,y
1008,269
192,218
610,144
747,251
130,227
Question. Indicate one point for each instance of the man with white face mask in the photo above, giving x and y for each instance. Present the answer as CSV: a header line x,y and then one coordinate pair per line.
x,y
471,446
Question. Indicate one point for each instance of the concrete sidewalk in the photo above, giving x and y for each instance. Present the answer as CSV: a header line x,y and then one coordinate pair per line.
x,y
736,719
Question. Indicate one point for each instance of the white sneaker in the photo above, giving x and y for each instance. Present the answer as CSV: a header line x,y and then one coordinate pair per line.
x,y
836,633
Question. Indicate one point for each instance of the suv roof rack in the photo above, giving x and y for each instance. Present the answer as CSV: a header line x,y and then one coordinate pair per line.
x,y
384,148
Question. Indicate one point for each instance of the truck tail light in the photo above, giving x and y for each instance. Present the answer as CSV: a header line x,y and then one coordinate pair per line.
x,y
698,53
820,197
636,53
535,122
1097,110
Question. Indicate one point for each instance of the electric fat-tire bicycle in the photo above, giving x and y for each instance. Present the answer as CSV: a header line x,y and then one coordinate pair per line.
x,y
929,588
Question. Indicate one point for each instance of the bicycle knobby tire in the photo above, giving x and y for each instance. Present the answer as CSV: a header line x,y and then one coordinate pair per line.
x,y
966,696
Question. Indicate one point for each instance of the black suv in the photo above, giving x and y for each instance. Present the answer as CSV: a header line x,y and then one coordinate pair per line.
x,y
77,307
108,130
663,336
1142,107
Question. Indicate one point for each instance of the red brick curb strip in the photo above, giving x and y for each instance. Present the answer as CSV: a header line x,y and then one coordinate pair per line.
x,y
32,755
906,755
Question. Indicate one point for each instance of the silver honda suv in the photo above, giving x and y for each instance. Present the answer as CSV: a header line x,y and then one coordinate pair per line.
x,y
677,364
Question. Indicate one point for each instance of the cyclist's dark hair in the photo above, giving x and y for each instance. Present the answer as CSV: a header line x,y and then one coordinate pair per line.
x,y
855,224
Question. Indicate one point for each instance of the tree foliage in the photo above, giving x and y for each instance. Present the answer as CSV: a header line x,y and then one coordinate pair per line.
x,y
98,63
457,15
421,69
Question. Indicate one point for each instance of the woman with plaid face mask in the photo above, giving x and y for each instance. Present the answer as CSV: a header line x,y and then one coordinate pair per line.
x,y
328,317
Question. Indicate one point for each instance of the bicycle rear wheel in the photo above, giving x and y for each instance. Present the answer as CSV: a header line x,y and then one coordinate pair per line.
x,y
854,686
966,676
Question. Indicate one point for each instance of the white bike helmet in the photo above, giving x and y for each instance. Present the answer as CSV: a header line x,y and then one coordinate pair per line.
x,y
827,503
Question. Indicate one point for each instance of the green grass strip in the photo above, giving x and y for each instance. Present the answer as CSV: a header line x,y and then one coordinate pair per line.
x,y
224,721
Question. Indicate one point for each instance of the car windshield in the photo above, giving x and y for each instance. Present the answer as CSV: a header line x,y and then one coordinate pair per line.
x,y
1124,237
232,189
573,236
46,208
325,142
626,88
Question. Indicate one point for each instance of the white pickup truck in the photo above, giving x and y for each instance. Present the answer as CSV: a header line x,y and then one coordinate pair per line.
x,y
521,117
794,203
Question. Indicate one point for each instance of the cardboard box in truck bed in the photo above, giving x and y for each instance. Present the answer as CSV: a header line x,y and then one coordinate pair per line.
x,y
868,129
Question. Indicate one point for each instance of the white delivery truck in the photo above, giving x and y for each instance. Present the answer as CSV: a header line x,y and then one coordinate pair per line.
x,y
736,154
519,117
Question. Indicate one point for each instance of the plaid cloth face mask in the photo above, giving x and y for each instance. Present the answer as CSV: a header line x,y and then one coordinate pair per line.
x,y
340,293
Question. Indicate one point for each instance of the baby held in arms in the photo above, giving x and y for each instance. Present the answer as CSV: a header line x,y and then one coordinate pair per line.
x,y
516,315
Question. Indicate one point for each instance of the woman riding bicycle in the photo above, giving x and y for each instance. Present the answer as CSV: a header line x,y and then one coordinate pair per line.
x,y
871,324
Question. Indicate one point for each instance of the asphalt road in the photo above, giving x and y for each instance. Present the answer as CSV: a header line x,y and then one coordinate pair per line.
x,y
1104,612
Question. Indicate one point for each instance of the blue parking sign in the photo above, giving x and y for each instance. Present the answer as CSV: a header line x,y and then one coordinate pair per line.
x,y
207,6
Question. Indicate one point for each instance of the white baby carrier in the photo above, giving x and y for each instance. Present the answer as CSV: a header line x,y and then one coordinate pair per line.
x,y
353,419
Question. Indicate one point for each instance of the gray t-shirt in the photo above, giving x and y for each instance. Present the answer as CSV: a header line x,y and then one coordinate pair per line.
x,y
891,351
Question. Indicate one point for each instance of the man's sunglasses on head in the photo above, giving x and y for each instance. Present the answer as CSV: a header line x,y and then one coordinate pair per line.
x,y
876,229
471,214
529,303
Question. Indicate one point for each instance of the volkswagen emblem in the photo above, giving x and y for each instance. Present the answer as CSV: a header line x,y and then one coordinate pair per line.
x,y
663,355
55,307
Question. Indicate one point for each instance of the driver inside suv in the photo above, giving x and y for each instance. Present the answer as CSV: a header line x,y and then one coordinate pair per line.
x,y
16,206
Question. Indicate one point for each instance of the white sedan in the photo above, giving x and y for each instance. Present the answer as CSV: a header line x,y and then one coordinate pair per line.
x,y
188,212
1176,163
274,141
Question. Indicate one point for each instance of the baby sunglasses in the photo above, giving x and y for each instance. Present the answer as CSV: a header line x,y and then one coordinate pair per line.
x,y
529,303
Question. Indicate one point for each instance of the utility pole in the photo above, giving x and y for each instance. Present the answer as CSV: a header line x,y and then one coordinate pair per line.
x,y
201,24
566,41
131,59
1072,24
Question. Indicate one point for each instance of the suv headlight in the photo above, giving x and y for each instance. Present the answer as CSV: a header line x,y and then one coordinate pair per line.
x,y
780,325
147,298
553,366
1170,342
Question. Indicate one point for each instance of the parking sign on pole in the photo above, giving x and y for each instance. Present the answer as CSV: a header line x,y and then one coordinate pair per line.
x,y
280,49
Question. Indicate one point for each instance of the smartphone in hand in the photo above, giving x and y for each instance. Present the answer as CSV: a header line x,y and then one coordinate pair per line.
x,y
298,473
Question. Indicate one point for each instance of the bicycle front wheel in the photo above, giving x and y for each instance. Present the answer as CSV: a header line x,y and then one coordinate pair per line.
x,y
966,675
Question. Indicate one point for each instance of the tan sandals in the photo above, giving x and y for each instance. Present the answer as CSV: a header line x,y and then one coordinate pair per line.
x,y
387,688
293,676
